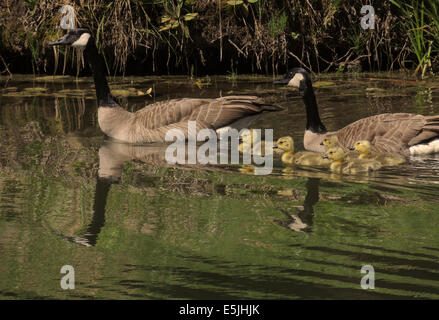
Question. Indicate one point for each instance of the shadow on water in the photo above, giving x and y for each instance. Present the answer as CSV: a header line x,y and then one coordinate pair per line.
x,y
136,227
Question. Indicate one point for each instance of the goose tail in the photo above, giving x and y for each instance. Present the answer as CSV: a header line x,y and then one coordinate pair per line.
x,y
429,132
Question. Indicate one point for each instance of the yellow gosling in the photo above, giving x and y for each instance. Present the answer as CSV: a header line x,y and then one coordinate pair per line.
x,y
341,165
331,141
285,145
247,145
385,158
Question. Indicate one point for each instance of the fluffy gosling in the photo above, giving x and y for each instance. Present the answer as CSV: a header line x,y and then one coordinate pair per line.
x,y
385,158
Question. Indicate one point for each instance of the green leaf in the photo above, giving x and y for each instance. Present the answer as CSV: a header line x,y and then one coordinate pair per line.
x,y
166,27
235,2
175,24
295,35
252,1
190,16
165,19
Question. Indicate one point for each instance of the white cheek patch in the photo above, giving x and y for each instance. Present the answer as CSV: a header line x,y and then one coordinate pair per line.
x,y
295,81
82,41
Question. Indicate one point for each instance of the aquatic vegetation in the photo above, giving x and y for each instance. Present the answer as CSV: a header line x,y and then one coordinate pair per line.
x,y
323,84
422,26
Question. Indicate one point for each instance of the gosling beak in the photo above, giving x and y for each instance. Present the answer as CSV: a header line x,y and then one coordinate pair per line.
x,y
325,156
352,148
321,143
281,81
275,146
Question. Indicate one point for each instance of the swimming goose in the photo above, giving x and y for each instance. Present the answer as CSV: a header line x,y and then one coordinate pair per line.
x,y
341,165
403,133
151,123
385,158
286,146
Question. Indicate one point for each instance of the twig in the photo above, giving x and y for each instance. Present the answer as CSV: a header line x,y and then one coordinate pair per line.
x,y
237,48
300,61
6,66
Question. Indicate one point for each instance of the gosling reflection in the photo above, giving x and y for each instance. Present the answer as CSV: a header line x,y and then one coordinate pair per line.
x,y
303,220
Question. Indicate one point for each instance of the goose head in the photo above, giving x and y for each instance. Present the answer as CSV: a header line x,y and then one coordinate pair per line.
x,y
335,154
330,141
362,146
296,77
284,144
301,79
77,38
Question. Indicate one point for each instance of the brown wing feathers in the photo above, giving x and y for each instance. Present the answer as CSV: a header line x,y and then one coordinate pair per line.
x,y
153,122
429,131
391,132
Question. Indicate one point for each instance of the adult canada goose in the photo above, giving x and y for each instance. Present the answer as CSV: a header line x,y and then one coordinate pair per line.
x,y
403,133
340,165
385,158
151,123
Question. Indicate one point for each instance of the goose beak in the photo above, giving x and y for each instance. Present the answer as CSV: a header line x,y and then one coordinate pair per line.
x,y
352,148
275,146
321,143
281,81
61,41
325,156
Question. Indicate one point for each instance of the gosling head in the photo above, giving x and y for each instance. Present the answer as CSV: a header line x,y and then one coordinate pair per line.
x,y
296,77
330,141
362,146
335,154
249,135
77,38
284,144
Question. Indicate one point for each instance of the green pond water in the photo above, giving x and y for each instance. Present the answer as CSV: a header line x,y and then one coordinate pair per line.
x,y
157,231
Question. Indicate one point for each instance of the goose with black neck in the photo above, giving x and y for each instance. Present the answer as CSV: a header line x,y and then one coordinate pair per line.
x,y
151,123
403,133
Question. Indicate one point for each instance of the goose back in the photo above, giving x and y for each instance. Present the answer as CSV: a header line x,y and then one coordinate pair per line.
x,y
151,123
391,132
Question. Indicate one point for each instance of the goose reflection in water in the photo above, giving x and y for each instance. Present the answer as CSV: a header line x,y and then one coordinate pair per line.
x,y
303,220
112,156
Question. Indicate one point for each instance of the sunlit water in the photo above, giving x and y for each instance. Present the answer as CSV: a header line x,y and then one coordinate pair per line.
x,y
151,230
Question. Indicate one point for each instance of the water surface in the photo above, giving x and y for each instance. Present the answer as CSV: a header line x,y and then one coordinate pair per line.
x,y
150,230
